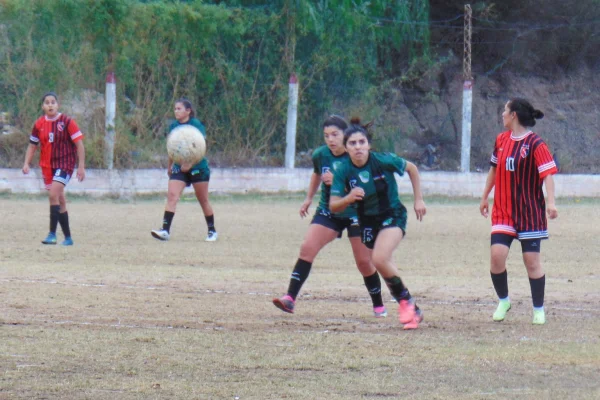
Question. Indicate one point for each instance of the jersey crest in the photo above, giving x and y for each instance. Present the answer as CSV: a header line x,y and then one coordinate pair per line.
x,y
364,176
524,150
60,126
336,165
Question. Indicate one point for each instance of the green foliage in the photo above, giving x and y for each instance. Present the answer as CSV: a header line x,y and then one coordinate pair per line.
x,y
231,59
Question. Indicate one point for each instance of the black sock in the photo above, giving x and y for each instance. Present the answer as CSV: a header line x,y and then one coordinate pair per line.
x,y
63,220
299,275
500,282
373,284
54,212
210,221
399,291
167,219
537,290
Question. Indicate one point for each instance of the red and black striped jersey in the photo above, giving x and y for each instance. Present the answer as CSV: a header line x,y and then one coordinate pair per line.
x,y
57,138
521,166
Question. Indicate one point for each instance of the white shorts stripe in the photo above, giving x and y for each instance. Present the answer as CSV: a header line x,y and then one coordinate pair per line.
x,y
532,235
503,229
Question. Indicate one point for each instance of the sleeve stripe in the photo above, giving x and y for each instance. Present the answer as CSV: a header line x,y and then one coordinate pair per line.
x,y
494,159
547,166
34,139
76,135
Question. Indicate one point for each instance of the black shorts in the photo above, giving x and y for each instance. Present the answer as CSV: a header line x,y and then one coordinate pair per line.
x,y
326,219
527,245
194,175
370,228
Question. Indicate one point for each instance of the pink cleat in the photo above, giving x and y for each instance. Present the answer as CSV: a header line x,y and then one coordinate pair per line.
x,y
379,312
285,303
414,324
406,311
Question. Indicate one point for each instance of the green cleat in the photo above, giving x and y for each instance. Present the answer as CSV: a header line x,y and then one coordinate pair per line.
x,y
500,313
539,317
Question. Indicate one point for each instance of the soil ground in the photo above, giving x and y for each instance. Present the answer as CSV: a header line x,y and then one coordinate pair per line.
x,y
122,316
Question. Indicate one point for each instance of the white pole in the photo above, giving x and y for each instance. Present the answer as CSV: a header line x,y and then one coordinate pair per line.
x,y
467,107
292,119
111,110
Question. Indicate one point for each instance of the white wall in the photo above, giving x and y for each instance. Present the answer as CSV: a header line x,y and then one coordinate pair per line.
x,y
241,180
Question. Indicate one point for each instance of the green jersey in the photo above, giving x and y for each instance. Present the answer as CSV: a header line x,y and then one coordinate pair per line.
x,y
325,161
377,179
196,124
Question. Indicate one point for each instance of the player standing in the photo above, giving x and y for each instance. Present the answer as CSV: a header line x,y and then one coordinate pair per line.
x,y
61,148
326,226
521,163
366,181
180,176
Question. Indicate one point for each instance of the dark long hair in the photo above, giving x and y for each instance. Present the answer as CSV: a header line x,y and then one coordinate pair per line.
x,y
526,114
337,121
49,94
356,126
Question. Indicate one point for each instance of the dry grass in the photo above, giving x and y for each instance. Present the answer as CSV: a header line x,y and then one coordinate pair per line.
x,y
122,316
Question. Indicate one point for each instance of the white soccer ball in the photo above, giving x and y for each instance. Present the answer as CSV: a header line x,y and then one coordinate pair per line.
x,y
186,145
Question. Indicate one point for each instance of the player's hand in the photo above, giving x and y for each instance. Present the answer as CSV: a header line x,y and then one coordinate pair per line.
x,y
80,174
327,178
551,210
420,209
304,208
484,207
26,169
356,194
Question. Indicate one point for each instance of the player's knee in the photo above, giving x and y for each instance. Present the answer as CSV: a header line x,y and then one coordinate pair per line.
x,y
308,251
379,260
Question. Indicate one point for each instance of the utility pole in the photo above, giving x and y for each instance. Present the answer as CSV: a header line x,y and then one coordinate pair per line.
x,y
467,106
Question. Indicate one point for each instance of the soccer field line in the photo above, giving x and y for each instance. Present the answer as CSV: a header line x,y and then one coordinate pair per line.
x,y
267,294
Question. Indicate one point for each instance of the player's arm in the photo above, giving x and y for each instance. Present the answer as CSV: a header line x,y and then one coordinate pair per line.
x,y
81,160
338,204
415,179
550,204
313,186
28,157
489,185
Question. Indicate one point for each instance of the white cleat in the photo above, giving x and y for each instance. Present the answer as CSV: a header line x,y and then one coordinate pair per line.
x,y
212,236
160,234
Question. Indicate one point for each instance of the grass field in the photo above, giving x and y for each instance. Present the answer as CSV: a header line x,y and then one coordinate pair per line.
x,y
123,316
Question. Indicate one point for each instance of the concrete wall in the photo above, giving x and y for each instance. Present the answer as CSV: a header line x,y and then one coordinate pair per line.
x,y
240,180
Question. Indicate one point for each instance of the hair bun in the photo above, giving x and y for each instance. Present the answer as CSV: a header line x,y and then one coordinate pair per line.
x,y
355,121
537,114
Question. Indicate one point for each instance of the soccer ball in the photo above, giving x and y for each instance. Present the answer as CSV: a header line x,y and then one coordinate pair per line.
x,y
186,145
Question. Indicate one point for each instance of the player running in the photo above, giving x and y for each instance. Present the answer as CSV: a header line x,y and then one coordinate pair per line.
x,y
61,148
366,182
326,226
521,163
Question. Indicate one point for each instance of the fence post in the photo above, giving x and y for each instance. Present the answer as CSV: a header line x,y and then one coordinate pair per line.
x,y
292,119
111,110
467,108
467,105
